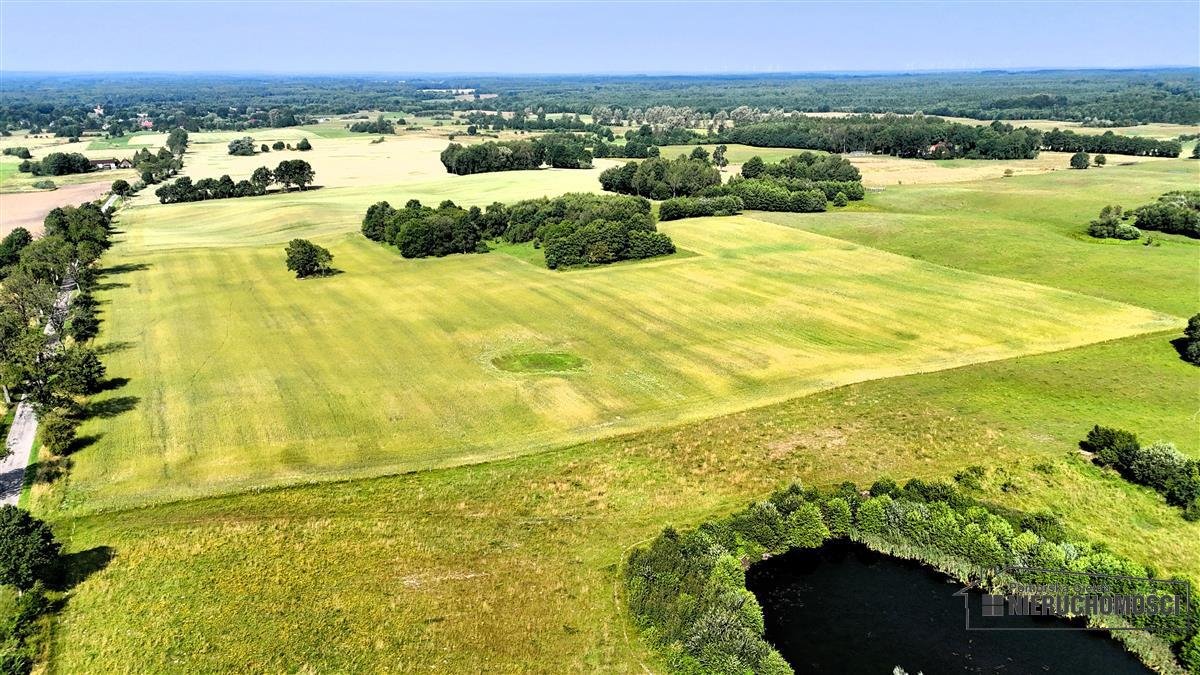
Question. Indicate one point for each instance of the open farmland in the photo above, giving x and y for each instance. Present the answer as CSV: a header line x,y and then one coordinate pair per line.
x,y
29,209
364,575
387,366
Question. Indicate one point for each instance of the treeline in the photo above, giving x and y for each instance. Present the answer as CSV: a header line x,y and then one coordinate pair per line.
x,y
56,164
560,151
573,229
696,207
903,136
1109,143
1159,466
54,374
1176,212
646,141
687,590
288,173
53,378
522,121
803,183
380,125
1099,98
661,178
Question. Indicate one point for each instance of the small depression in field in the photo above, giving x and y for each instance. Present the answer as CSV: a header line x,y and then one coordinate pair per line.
x,y
539,362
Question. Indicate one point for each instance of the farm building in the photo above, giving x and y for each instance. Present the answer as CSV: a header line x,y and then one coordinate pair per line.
x,y
103,164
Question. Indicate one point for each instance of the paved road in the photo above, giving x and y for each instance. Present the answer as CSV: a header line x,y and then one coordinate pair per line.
x,y
19,445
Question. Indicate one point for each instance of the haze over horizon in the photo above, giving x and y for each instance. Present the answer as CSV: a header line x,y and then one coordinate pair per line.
x,y
485,38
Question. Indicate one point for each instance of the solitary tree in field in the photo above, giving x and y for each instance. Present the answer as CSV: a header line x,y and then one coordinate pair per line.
x,y
304,144
719,157
264,148
307,259
1099,160
120,187
1080,160
28,551
277,145
177,140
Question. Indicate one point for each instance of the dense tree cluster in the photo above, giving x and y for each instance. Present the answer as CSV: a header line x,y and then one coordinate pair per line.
x,y
288,173
646,141
57,164
1111,225
661,178
157,166
560,151
380,125
695,207
687,590
524,121
1109,143
243,147
1159,466
1175,212
53,379
420,231
903,136
573,229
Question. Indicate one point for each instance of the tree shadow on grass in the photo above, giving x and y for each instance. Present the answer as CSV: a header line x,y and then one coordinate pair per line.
x,y
1181,345
78,566
113,383
113,347
123,268
109,407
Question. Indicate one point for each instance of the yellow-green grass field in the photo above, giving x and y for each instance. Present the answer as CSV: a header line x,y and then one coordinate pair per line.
x,y
240,375
512,566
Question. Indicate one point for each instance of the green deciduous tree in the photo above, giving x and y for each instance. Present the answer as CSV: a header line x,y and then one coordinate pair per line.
x,y
28,551
307,259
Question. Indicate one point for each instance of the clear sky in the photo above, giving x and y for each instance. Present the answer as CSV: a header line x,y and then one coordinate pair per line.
x,y
579,37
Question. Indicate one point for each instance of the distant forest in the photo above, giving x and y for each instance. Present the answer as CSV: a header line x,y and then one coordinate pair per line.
x,y
65,105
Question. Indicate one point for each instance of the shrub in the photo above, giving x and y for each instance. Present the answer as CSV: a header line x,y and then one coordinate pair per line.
x,y
277,145
695,207
840,199
58,432
45,185
304,144
1191,340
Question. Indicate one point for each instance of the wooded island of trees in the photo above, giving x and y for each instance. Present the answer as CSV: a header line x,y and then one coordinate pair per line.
x,y
573,229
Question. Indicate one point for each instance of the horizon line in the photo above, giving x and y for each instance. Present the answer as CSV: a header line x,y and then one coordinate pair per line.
x,y
602,73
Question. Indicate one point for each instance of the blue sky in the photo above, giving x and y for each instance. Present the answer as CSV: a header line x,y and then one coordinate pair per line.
x,y
629,37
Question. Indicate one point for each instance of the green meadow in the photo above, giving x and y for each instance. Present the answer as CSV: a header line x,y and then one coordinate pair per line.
x,y
492,567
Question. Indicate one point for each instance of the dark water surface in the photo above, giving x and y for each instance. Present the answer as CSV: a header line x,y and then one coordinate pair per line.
x,y
846,609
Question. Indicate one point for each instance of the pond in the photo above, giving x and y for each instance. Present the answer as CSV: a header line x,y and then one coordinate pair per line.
x,y
843,608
